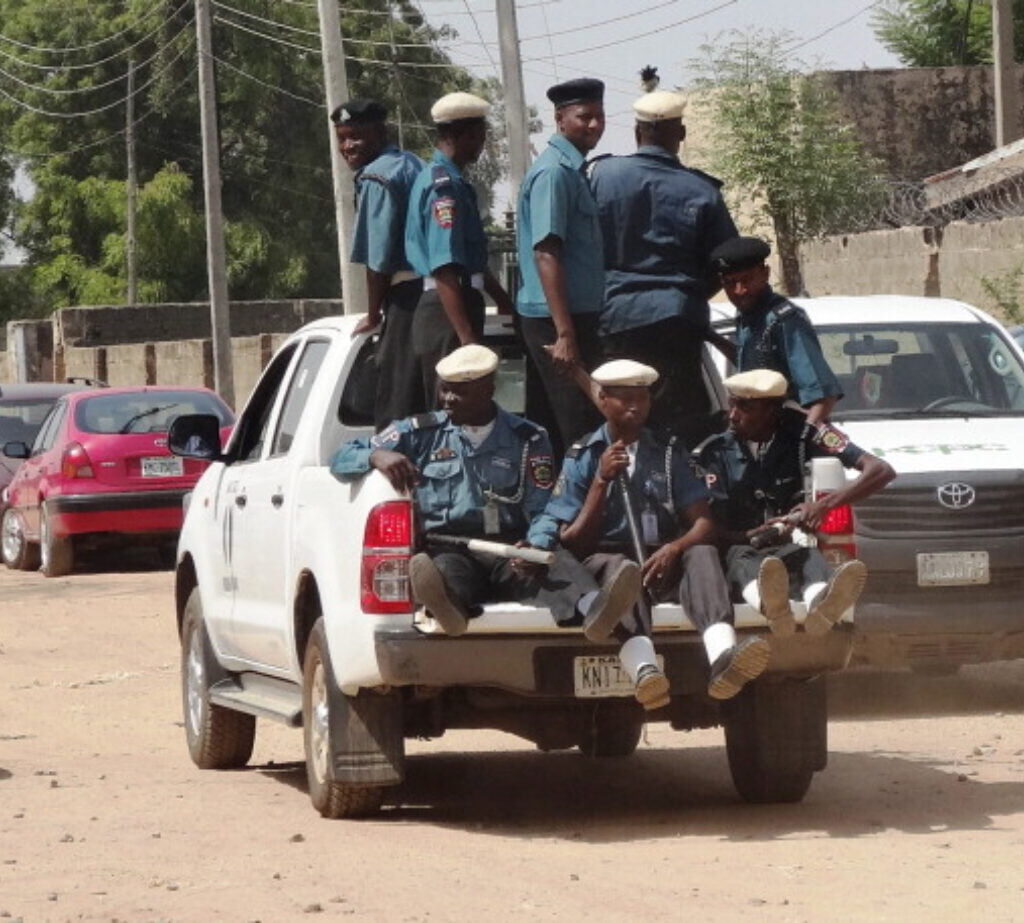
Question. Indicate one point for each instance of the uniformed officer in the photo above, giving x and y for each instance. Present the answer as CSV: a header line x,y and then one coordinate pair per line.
x,y
623,462
478,471
660,221
771,331
753,471
446,243
383,177
559,244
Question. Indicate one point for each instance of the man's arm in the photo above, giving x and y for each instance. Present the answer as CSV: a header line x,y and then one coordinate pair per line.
x,y
583,535
547,254
377,286
662,565
874,475
449,290
496,290
820,411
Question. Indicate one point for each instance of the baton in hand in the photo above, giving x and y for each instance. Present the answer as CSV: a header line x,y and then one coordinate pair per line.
x,y
645,602
495,549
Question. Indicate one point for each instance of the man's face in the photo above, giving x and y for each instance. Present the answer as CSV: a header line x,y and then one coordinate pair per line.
x,y
753,419
582,124
745,287
467,401
359,144
626,408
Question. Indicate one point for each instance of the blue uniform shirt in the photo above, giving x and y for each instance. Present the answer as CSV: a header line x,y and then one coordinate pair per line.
x,y
443,226
778,335
382,198
662,483
555,201
659,222
512,468
747,489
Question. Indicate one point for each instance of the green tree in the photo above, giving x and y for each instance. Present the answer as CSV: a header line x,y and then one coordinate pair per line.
x,y
942,33
277,192
778,140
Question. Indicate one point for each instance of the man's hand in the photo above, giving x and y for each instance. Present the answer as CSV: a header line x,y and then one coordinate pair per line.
x,y
614,460
564,353
809,515
368,324
661,569
401,472
526,568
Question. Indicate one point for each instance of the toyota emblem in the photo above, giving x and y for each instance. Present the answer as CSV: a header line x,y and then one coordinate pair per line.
x,y
956,495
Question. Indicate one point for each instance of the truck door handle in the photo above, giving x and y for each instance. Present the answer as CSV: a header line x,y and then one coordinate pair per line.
x,y
277,499
240,501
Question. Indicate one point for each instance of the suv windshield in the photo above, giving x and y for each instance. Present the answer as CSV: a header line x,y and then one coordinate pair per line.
x,y
927,368
20,419
144,412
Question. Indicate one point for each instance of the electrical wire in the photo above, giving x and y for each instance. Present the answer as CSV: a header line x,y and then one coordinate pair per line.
x,y
68,49
268,22
480,35
807,41
270,38
582,27
302,99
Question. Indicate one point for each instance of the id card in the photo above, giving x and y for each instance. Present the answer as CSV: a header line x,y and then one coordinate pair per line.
x,y
649,526
492,518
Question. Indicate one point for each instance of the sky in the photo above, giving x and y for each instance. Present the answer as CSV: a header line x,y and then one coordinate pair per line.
x,y
562,39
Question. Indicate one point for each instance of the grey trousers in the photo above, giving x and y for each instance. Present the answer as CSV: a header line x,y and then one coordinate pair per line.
x,y
805,566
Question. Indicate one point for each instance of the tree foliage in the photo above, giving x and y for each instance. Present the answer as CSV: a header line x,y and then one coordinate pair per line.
x,y
274,134
942,33
789,160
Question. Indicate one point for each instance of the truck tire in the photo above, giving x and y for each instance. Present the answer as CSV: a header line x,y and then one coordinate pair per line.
x,y
611,730
217,737
320,694
18,552
57,554
776,738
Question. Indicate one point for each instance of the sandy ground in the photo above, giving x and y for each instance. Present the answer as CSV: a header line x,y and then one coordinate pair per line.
x,y
920,813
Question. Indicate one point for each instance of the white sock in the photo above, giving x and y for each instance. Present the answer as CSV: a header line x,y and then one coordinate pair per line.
x,y
752,595
718,638
584,603
812,592
635,653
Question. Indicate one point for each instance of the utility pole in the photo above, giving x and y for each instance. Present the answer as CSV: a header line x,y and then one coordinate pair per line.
x,y
353,283
129,138
1007,87
515,100
216,258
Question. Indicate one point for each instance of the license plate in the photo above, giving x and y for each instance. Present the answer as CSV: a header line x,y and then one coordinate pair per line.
x,y
952,568
162,467
600,677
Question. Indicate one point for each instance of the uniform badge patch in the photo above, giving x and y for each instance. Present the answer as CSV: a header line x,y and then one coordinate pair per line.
x,y
444,212
831,439
385,437
710,479
443,454
542,471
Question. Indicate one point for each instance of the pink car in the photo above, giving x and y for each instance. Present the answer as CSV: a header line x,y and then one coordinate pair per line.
x,y
99,470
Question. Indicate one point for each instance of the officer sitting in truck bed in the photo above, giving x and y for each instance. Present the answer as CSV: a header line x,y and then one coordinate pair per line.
x,y
754,472
477,471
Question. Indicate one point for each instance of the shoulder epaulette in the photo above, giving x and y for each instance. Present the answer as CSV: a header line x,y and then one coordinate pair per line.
x,y
714,437
440,176
575,449
376,177
426,420
714,180
589,165
527,429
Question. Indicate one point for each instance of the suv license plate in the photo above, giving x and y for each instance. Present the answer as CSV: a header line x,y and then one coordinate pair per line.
x,y
601,677
162,467
952,568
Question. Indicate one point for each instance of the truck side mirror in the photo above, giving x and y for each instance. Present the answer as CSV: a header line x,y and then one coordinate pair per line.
x,y
16,450
195,435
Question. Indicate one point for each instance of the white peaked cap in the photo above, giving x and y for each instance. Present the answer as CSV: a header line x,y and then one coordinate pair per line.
x,y
659,106
457,106
758,383
625,373
467,363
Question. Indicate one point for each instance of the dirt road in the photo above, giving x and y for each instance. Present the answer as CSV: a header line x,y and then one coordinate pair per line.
x,y
920,813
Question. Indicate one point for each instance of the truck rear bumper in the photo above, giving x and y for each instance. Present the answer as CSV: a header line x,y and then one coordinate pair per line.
x,y
543,665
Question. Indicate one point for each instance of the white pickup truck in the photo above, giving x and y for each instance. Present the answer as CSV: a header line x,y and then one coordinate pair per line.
x,y
293,604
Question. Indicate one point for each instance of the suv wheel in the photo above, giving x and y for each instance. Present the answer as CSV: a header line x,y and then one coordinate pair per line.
x,y
217,737
320,695
776,738
611,730
57,557
18,552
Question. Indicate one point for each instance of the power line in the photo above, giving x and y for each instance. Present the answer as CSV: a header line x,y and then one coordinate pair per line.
x,y
268,22
603,22
302,99
263,35
480,35
630,38
807,41
67,49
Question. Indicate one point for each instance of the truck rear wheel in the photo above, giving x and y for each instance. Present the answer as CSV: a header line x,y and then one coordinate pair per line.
x,y
776,738
320,695
217,737
611,730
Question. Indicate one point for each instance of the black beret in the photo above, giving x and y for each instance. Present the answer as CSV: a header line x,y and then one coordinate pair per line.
x,y
359,112
739,253
580,90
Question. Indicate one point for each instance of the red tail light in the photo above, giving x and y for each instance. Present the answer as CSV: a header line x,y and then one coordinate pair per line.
x,y
838,521
75,463
835,534
387,547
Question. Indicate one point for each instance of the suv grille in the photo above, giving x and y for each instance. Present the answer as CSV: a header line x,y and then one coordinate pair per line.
x,y
910,505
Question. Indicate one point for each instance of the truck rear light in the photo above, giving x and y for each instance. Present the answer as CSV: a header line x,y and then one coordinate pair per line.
x,y
835,534
387,547
838,521
75,462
